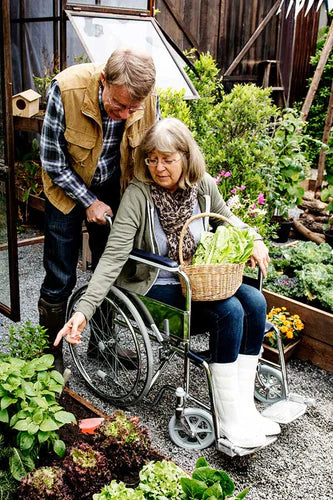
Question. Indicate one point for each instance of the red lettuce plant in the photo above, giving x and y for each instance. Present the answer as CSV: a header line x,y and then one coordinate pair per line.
x,y
44,483
86,470
126,444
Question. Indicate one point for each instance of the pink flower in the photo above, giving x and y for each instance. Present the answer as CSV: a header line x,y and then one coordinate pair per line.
x,y
227,174
254,206
242,187
261,199
233,191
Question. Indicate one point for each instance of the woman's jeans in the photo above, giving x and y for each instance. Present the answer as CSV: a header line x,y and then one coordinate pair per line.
x,y
236,325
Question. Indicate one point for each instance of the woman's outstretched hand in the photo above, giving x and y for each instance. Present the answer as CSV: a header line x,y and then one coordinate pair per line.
x,y
72,329
260,256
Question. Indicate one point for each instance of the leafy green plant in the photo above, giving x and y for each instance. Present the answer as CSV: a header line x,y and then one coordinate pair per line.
x,y
303,272
29,412
86,469
125,443
118,490
43,483
161,480
26,341
209,484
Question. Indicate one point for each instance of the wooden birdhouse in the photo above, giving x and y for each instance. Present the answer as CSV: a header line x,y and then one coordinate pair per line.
x,y
26,103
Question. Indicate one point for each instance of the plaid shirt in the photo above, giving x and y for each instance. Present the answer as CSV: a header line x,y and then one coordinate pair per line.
x,y
53,149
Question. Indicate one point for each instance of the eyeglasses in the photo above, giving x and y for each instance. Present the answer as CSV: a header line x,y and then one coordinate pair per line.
x,y
153,162
121,107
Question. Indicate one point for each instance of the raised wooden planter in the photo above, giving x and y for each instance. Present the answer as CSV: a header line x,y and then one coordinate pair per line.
x,y
272,354
317,339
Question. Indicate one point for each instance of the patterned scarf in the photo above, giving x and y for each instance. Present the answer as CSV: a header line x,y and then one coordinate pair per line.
x,y
174,210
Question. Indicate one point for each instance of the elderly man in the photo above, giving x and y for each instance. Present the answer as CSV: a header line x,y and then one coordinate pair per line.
x,y
94,121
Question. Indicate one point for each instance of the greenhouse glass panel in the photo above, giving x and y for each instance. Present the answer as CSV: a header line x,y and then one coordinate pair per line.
x,y
102,34
123,4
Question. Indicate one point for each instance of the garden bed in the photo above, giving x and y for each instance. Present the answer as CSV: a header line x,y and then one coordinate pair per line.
x,y
317,339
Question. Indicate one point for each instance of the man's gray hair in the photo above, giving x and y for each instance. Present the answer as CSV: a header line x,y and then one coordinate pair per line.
x,y
133,69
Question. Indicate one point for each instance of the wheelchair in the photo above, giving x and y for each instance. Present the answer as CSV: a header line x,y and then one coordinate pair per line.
x,y
132,339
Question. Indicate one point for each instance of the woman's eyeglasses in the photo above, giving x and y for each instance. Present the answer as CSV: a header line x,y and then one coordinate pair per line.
x,y
153,162
121,107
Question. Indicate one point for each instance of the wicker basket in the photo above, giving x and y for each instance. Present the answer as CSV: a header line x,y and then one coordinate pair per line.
x,y
210,281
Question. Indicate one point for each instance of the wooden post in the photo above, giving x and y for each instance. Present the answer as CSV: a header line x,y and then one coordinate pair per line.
x,y
326,135
319,71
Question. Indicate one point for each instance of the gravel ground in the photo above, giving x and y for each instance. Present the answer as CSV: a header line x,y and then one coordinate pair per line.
x,y
298,465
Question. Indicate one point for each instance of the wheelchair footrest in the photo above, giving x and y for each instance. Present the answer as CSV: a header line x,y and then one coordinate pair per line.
x,y
227,447
285,411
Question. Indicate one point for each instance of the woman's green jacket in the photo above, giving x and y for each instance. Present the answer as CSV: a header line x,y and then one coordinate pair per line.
x,y
134,228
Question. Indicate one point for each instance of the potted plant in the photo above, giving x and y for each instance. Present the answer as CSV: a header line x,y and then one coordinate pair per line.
x,y
290,327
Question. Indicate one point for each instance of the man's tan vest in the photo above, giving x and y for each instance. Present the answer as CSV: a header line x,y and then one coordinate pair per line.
x,y
84,133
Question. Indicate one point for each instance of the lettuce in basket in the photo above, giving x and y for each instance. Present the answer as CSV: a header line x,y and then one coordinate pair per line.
x,y
228,245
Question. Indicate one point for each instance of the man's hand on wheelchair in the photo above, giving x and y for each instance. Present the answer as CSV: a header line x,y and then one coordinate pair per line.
x,y
72,329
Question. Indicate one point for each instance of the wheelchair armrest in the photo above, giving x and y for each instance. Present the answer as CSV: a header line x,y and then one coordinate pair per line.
x,y
152,257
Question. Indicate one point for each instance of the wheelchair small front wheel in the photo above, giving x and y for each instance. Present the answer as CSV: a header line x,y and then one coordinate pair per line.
x,y
201,424
269,387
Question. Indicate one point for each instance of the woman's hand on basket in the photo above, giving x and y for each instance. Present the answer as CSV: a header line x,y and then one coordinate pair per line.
x,y
72,329
260,256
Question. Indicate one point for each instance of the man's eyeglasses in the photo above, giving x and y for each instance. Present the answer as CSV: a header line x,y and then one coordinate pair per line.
x,y
121,107
153,162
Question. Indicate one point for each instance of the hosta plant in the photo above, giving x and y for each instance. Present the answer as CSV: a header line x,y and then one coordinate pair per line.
x,y
125,442
29,412
86,469
45,483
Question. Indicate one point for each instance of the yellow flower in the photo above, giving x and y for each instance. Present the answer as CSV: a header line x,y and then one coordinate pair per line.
x,y
283,329
283,308
282,317
290,334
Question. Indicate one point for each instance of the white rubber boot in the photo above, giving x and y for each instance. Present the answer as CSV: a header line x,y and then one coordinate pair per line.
x,y
227,407
247,366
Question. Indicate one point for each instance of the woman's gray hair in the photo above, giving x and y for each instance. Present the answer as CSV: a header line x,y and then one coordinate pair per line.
x,y
169,136
133,69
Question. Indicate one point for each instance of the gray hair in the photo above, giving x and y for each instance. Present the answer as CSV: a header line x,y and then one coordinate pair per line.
x,y
133,69
169,136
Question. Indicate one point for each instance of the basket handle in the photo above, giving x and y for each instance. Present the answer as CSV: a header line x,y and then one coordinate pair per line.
x,y
188,222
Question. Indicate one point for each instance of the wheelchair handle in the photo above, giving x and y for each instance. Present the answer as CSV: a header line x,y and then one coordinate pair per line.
x,y
188,222
108,219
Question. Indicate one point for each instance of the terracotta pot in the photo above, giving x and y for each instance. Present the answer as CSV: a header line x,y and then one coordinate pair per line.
x,y
272,354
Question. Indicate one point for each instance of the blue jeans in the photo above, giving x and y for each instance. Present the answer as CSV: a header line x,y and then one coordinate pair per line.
x,y
236,325
63,242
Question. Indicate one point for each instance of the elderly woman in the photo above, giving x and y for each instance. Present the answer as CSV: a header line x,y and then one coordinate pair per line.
x,y
171,185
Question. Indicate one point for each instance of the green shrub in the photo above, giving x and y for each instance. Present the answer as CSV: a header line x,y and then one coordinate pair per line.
x,y
254,150
26,341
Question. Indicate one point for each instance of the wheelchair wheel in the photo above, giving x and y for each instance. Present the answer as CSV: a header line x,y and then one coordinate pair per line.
x,y
269,386
115,356
200,422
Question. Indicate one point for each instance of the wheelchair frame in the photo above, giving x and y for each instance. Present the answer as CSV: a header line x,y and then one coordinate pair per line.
x,y
113,373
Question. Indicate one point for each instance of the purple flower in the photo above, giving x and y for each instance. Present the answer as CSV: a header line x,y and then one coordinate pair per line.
x,y
261,199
